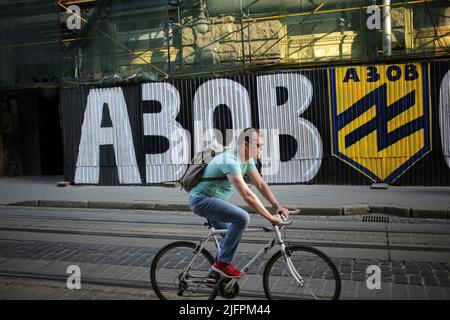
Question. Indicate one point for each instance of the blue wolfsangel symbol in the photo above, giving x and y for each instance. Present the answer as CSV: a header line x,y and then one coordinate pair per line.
x,y
384,113
379,123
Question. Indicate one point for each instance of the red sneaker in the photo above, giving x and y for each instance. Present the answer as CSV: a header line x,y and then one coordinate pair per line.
x,y
226,270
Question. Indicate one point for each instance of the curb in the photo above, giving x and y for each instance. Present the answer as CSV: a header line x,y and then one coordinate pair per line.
x,y
354,209
396,211
347,210
440,214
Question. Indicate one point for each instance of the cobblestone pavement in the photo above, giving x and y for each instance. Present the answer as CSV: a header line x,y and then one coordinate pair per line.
x,y
111,246
400,272
29,289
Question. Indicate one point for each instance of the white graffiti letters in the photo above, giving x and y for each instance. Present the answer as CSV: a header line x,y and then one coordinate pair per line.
x,y
285,118
216,102
208,97
172,164
444,117
118,135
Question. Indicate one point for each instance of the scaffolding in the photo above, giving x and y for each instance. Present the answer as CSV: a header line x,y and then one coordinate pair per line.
x,y
119,41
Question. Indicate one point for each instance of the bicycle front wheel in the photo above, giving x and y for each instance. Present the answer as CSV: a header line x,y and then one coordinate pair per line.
x,y
320,277
178,272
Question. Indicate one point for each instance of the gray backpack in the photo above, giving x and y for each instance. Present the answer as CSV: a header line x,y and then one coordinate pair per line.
x,y
194,172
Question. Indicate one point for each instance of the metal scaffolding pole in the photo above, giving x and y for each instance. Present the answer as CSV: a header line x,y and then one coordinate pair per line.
x,y
387,30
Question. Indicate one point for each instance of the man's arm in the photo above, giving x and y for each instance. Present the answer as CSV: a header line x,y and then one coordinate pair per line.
x,y
250,198
265,190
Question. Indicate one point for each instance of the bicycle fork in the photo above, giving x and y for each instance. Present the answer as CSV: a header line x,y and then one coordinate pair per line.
x,y
287,257
298,278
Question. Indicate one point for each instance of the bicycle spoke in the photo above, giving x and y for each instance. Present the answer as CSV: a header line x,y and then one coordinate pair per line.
x,y
171,278
300,272
320,278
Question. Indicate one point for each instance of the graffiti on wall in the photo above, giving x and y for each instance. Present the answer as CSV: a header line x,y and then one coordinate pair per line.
x,y
444,116
345,125
380,118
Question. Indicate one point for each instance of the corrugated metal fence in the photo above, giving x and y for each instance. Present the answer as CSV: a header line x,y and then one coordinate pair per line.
x,y
346,125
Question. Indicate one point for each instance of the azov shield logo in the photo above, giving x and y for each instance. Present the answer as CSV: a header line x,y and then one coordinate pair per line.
x,y
380,117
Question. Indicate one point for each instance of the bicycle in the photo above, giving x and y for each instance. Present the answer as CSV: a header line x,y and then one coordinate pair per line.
x,y
293,272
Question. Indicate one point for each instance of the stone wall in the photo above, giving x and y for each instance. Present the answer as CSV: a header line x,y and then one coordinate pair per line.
x,y
227,42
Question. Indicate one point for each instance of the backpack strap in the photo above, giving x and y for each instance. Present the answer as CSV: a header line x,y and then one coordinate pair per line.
x,y
213,178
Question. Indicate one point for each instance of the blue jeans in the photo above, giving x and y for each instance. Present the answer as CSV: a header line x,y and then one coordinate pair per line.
x,y
222,215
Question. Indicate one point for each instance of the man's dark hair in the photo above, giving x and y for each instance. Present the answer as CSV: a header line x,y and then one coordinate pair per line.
x,y
245,135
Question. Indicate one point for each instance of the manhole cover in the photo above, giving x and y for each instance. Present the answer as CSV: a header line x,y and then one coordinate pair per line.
x,y
378,219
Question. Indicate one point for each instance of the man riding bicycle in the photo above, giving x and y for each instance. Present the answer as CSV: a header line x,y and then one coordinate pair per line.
x,y
209,198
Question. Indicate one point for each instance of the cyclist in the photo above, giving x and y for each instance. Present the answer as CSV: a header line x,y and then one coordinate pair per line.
x,y
209,199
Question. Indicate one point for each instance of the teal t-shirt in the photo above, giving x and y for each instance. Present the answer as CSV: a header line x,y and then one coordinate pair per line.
x,y
223,164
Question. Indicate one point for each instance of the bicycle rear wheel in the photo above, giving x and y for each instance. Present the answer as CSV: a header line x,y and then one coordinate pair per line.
x,y
321,277
170,278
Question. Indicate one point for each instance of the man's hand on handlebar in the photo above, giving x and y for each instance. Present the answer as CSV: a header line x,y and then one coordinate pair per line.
x,y
275,219
283,211
281,218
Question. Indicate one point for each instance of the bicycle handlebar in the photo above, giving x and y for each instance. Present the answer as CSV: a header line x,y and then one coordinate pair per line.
x,y
284,221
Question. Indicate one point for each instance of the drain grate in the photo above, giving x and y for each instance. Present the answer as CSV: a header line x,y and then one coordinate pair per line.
x,y
374,218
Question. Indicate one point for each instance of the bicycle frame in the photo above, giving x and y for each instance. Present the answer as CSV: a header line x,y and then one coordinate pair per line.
x,y
277,240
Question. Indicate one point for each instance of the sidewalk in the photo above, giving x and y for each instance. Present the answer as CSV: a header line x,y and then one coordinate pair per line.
x,y
424,202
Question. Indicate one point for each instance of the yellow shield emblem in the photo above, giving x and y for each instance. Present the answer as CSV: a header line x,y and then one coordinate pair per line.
x,y
380,117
